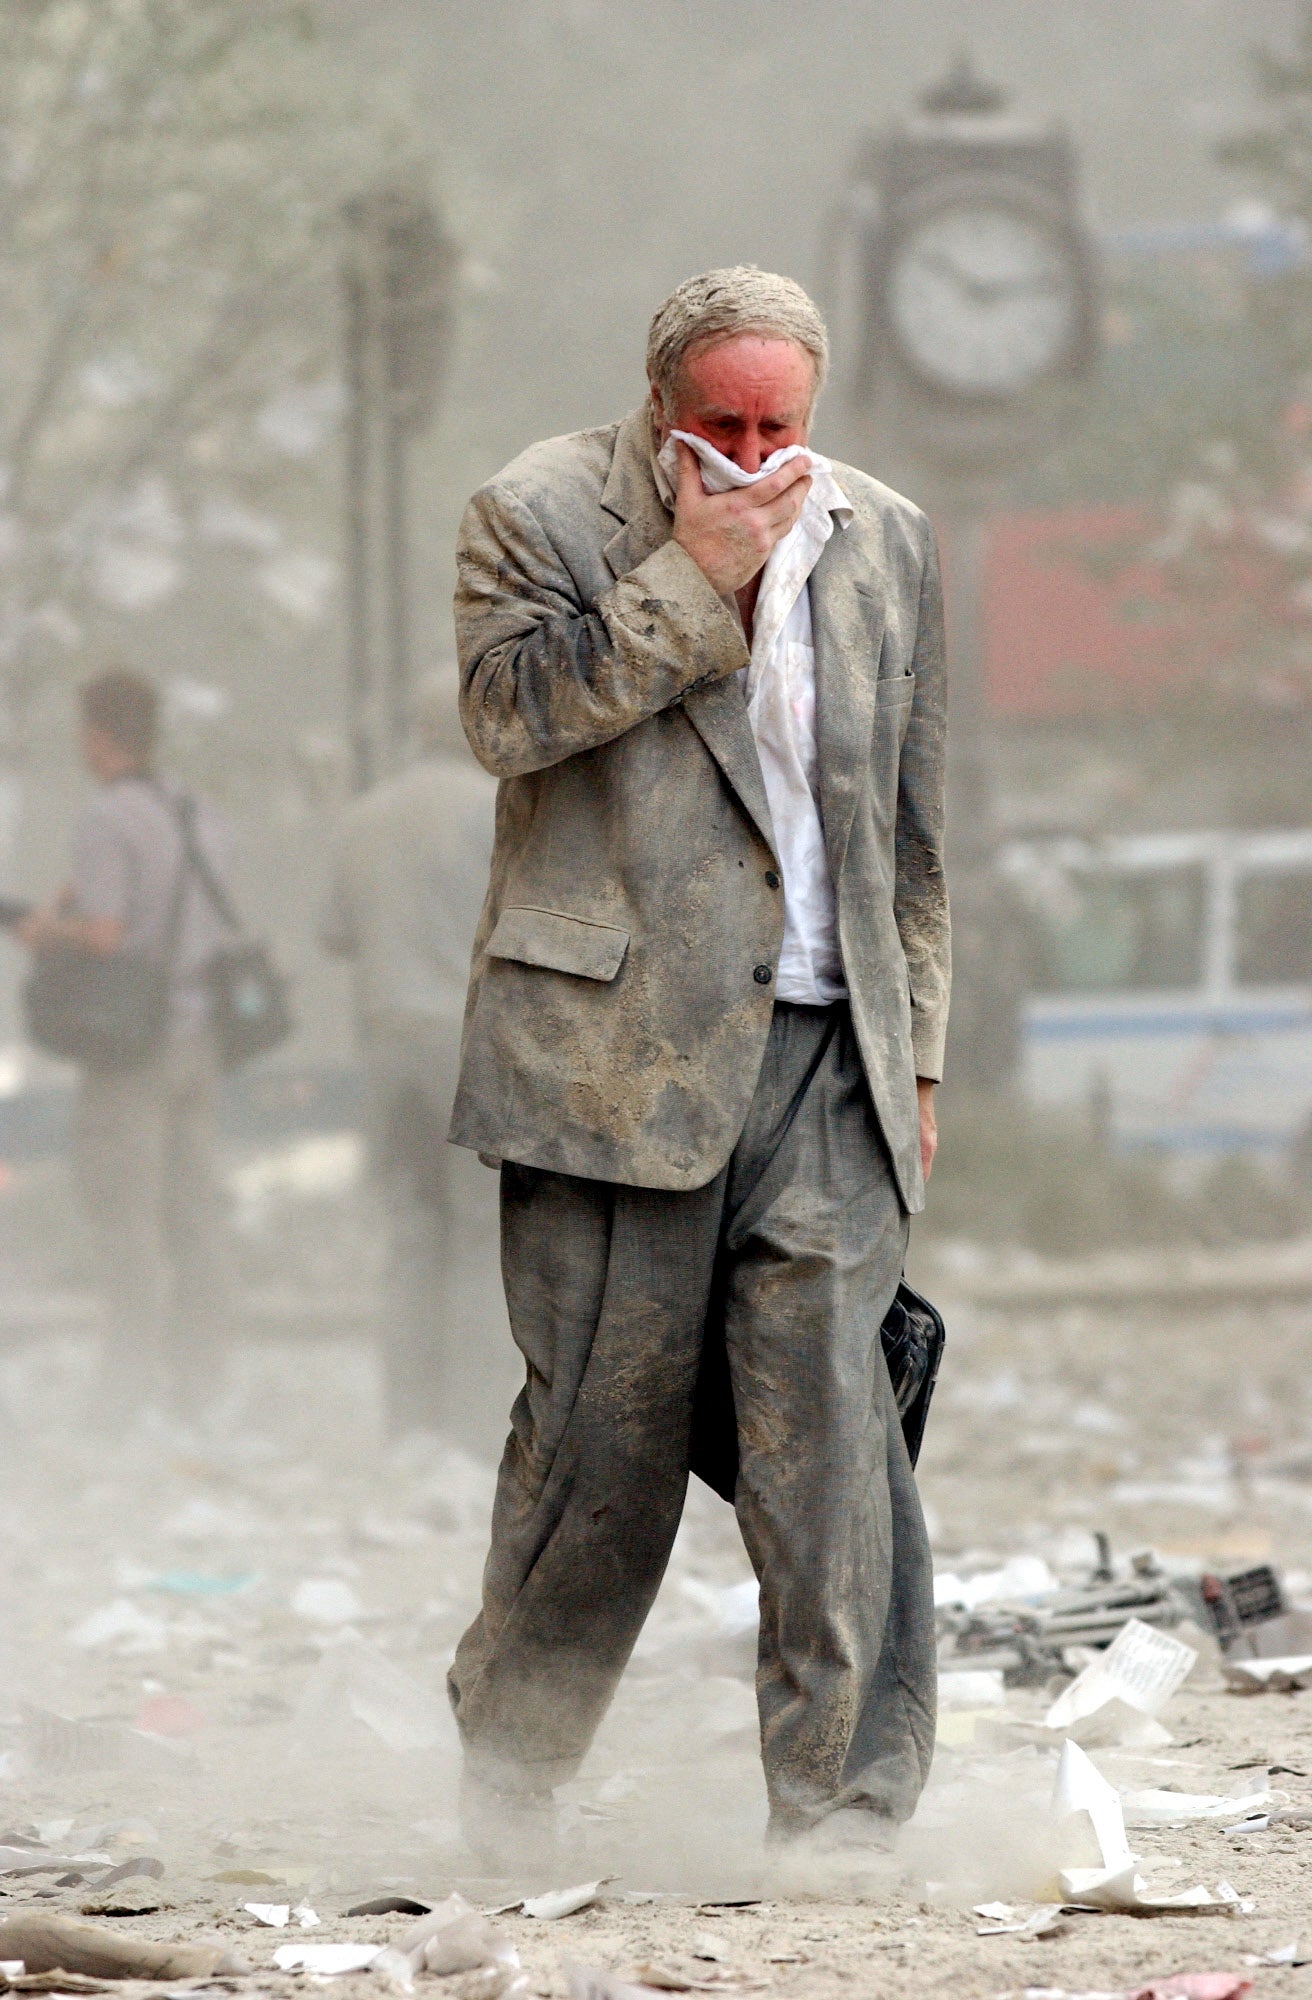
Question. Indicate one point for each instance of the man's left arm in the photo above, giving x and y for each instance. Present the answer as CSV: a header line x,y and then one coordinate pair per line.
x,y
920,898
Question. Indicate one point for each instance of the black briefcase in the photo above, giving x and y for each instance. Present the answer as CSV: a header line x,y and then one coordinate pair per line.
x,y
913,1336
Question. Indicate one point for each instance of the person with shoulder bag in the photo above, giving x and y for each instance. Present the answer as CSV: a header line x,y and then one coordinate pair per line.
x,y
128,981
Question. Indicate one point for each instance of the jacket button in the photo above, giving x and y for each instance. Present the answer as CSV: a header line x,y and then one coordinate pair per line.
x,y
771,879
763,975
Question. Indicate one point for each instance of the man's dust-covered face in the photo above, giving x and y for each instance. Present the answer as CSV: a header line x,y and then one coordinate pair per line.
x,y
747,396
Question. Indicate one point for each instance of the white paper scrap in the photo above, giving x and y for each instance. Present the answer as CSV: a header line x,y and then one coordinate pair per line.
x,y
307,1918
1123,1889
563,1902
1010,1920
1175,1808
1081,1789
326,1600
1281,1674
274,1914
1142,1668
326,1958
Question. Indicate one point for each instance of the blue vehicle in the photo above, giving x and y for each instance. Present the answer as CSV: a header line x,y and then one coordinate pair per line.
x,y
1170,985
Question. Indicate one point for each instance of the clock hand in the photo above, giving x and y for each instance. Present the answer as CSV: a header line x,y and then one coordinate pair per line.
x,y
938,260
988,291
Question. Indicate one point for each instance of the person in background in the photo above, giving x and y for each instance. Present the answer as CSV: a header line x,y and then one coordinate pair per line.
x,y
144,1138
408,882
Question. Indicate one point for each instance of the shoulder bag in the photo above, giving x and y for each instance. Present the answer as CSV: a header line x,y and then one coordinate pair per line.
x,y
248,995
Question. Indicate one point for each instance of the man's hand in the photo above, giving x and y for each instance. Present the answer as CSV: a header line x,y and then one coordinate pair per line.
x,y
928,1124
729,535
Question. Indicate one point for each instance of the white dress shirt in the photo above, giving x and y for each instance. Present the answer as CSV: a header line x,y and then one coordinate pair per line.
x,y
780,690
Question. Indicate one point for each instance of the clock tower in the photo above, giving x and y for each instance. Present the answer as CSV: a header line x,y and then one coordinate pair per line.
x,y
973,281
967,309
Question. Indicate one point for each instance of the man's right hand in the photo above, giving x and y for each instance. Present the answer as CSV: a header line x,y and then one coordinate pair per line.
x,y
729,535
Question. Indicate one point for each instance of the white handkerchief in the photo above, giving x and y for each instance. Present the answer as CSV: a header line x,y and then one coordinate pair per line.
x,y
720,473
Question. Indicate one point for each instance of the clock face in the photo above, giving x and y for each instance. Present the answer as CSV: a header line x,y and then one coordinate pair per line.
x,y
981,299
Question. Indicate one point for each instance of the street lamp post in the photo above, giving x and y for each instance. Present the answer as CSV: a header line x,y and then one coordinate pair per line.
x,y
397,281
971,288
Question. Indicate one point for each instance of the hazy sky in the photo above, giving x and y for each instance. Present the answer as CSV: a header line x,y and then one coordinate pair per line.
x,y
597,151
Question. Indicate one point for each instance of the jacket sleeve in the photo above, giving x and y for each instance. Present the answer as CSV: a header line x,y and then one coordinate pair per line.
x,y
544,676
920,897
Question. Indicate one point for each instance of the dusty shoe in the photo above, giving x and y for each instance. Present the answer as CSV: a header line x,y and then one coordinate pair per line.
x,y
847,1857
510,1831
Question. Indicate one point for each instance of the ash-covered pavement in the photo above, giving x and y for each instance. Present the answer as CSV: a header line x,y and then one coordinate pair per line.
x,y
227,1657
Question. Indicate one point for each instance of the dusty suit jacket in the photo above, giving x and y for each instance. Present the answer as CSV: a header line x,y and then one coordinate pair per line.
x,y
622,980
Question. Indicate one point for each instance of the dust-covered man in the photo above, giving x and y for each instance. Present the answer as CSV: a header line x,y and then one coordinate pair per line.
x,y
705,1020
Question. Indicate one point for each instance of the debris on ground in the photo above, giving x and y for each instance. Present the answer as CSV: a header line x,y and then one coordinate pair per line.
x,y
1117,1696
557,1903
298,1763
54,1943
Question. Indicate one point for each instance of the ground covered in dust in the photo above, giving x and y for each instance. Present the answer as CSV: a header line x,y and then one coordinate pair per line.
x,y
227,1655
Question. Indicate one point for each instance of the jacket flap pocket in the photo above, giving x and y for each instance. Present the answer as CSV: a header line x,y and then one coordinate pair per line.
x,y
559,943
897,687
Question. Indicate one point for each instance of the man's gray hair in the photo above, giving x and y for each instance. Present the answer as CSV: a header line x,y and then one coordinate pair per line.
x,y
719,305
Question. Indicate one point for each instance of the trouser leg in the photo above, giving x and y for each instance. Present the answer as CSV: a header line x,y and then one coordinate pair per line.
x,y
119,1170
814,1245
193,1214
607,1289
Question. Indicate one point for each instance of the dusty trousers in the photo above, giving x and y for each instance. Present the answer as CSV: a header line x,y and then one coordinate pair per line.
x,y
636,1310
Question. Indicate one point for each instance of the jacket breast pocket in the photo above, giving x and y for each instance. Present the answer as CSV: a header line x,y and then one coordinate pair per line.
x,y
895,689
558,943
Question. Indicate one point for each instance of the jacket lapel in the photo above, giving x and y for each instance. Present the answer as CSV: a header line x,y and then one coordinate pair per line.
x,y
719,712
847,616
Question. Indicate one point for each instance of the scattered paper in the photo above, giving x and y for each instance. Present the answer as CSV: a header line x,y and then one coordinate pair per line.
x,y
1284,1954
40,1861
277,1915
1285,1673
1124,1688
1082,1800
1177,1808
1123,1890
123,1626
1081,1794
455,1938
326,1600
329,1959
1021,1579
563,1902
1013,1920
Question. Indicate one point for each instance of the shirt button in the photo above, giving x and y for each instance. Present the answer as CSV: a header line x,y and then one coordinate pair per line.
x,y
771,879
763,975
